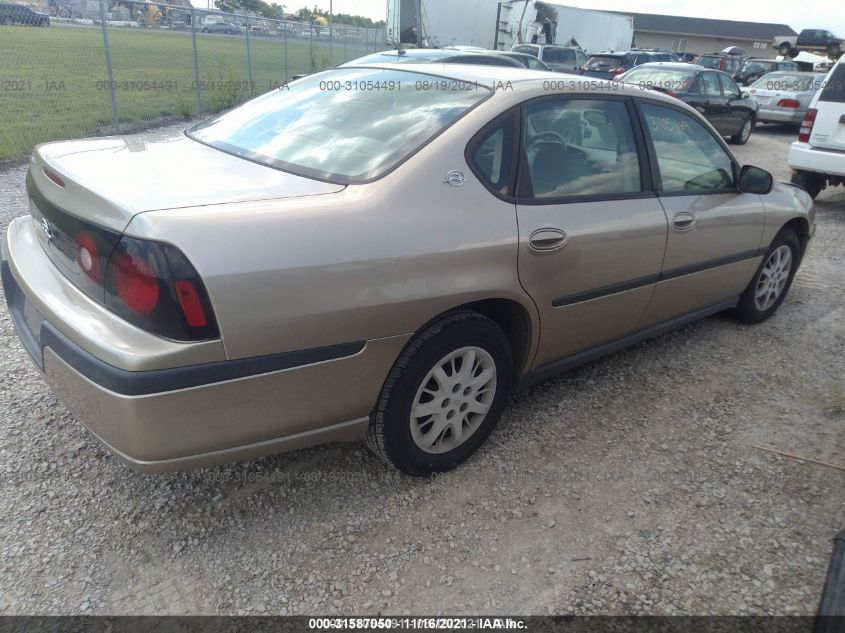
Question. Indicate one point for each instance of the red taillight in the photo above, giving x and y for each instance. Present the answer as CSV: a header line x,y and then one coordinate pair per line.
x,y
583,69
617,71
87,257
788,103
807,125
191,304
135,284
54,177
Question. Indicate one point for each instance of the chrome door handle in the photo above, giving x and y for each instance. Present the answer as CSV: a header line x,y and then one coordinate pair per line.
x,y
683,221
544,240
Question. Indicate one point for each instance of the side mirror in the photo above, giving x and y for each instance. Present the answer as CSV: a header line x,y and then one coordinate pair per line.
x,y
755,180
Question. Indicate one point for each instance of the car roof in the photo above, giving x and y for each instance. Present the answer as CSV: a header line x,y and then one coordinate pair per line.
x,y
520,79
676,66
573,48
424,54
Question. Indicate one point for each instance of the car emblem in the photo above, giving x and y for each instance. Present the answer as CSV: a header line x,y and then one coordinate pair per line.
x,y
48,232
455,178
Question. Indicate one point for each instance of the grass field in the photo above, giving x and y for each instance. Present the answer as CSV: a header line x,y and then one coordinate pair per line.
x,y
53,81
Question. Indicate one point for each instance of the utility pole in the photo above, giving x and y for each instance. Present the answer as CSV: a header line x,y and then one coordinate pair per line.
x,y
331,34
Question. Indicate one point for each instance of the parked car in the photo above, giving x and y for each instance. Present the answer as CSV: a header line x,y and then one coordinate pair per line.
x,y
784,97
818,156
722,61
713,93
753,69
259,29
434,55
562,59
529,61
285,29
11,13
222,27
687,58
611,65
810,40
268,294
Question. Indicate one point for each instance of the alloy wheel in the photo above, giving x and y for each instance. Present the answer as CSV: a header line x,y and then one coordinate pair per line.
x,y
773,278
453,400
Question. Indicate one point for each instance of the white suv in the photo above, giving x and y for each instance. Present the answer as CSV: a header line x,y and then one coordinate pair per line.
x,y
818,156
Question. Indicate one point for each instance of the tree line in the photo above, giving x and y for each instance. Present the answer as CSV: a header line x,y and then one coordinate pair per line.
x,y
277,11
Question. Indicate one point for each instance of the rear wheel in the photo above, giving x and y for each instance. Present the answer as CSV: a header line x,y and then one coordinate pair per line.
x,y
768,288
744,133
443,396
811,182
833,51
794,52
784,49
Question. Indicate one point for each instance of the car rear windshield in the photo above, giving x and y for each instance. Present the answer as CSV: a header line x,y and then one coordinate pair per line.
x,y
710,62
661,79
834,86
528,50
758,67
604,62
344,126
790,82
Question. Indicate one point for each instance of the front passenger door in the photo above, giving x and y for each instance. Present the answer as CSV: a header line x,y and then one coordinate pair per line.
x,y
715,232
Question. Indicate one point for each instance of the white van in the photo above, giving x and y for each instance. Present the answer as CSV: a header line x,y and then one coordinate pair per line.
x,y
818,156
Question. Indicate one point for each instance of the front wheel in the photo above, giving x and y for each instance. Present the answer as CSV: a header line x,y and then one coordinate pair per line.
x,y
744,133
833,51
768,288
443,396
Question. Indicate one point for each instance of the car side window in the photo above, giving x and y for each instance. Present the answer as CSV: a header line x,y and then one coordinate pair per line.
x,y
689,158
710,83
492,155
729,87
579,147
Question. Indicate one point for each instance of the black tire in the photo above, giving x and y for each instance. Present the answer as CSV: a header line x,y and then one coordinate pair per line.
x,y
794,52
833,51
747,311
784,49
390,434
811,182
744,133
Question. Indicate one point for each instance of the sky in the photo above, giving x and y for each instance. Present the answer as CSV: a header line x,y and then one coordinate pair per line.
x,y
821,14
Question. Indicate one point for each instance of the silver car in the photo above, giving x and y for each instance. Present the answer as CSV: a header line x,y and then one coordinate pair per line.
x,y
381,253
784,97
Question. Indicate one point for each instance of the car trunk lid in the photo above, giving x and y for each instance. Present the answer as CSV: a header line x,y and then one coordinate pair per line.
x,y
109,180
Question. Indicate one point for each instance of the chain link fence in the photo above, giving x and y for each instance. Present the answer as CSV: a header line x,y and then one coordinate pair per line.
x,y
101,68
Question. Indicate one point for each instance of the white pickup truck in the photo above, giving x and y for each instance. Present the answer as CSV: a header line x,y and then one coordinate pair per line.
x,y
817,158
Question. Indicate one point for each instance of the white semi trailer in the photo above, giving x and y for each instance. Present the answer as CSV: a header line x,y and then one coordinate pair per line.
x,y
502,25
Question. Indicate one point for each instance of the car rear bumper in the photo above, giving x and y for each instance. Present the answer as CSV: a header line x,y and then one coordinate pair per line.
x,y
768,115
804,157
190,415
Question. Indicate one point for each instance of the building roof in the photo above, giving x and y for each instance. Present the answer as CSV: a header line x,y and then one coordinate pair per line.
x,y
706,27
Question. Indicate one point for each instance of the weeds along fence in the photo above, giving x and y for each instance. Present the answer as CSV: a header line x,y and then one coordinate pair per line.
x,y
103,68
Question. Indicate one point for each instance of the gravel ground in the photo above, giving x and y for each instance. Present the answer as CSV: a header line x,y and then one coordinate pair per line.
x,y
632,485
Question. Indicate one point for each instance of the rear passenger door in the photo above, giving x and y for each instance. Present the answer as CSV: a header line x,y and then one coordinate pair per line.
x,y
715,232
591,233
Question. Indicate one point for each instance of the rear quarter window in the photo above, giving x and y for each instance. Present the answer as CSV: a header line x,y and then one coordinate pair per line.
x,y
834,87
